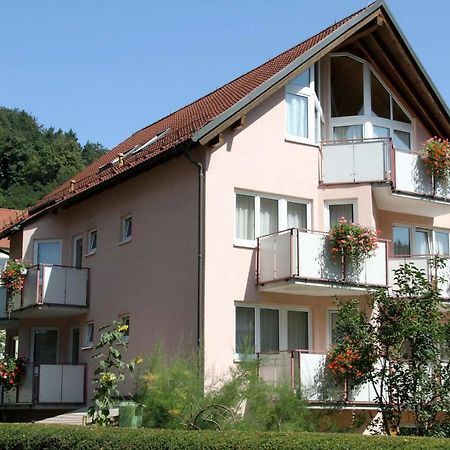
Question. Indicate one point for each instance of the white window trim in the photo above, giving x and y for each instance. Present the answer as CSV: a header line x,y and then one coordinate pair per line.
x,y
89,250
314,123
367,120
33,329
412,230
282,326
36,242
88,344
282,214
124,239
74,248
327,203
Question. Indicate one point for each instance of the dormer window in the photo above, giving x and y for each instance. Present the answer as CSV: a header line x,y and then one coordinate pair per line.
x,y
303,111
362,106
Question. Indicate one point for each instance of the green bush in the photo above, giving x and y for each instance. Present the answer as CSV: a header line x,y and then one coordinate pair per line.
x,y
52,437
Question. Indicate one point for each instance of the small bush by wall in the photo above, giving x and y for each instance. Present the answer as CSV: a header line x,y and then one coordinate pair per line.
x,y
40,437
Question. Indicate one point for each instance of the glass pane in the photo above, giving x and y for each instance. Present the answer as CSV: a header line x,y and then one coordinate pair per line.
x,y
92,240
127,228
45,345
441,243
268,216
381,100
340,211
402,241
348,132
78,248
245,330
269,330
346,87
245,217
297,215
75,346
381,132
333,321
297,115
402,140
398,113
298,330
422,243
303,80
49,253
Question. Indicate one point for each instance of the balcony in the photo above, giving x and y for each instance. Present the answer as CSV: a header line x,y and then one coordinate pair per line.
x,y
47,384
400,181
52,291
439,275
300,262
306,369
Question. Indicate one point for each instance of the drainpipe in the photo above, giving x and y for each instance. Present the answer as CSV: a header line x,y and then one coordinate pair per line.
x,y
201,247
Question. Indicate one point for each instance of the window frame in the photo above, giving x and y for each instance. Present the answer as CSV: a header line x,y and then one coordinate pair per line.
x,y
88,343
412,233
327,203
36,243
123,228
282,327
74,249
282,214
330,312
368,120
92,250
314,109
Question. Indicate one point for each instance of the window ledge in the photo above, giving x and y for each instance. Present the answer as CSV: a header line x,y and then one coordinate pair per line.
x,y
125,241
241,244
297,140
87,347
90,253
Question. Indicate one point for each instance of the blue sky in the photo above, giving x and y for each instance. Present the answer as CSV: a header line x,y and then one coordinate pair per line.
x,y
107,68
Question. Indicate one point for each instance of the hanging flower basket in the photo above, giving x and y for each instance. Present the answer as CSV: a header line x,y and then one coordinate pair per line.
x,y
12,278
436,158
11,371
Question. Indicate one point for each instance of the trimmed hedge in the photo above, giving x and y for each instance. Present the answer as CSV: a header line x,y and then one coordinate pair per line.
x,y
66,437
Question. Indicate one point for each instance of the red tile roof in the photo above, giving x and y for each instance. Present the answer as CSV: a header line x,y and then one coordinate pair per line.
x,y
6,216
182,124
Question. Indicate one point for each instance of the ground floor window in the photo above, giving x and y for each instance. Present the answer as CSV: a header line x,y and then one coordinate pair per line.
x,y
270,330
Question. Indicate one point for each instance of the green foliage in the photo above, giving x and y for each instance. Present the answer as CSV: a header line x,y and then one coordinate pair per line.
x,y
45,437
34,160
405,336
110,371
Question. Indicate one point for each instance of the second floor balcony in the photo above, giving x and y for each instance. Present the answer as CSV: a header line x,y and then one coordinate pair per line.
x,y
52,291
400,180
300,262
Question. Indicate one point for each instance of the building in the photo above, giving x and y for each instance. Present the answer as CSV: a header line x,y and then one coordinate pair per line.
x,y
180,229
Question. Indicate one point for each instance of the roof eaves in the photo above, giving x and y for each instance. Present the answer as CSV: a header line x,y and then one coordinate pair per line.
x,y
283,73
416,58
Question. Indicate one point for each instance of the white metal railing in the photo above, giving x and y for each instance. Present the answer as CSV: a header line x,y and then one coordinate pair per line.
x,y
307,255
48,383
54,285
371,160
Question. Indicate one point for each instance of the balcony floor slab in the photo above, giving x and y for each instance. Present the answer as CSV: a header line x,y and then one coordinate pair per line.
x,y
48,311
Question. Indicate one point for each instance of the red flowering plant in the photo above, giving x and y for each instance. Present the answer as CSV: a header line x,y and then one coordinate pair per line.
x,y
11,370
352,240
436,157
12,278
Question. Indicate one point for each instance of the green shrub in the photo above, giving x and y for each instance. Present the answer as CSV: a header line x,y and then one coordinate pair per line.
x,y
51,437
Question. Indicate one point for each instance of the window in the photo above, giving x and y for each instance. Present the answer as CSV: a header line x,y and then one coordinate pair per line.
x,y
332,321
47,252
127,228
77,251
362,106
337,210
411,240
303,111
89,334
75,346
401,239
269,330
422,242
92,241
258,215
441,243
126,321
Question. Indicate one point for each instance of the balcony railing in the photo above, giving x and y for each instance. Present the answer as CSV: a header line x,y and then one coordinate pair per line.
x,y
305,256
48,384
306,370
47,285
376,160
435,274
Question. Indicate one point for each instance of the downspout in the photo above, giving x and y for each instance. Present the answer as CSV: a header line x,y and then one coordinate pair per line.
x,y
200,249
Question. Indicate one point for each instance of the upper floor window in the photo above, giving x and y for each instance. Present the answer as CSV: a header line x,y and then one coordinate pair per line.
x,y
258,215
92,241
338,209
126,228
303,111
362,106
411,240
77,249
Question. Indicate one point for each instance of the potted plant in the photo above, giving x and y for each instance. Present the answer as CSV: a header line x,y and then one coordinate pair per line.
x,y
436,158
352,241
12,279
